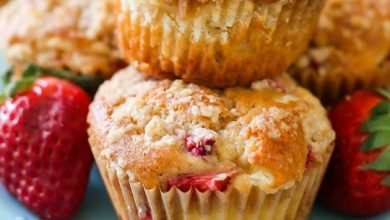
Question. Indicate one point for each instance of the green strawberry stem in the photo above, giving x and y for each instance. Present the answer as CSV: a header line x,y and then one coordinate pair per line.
x,y
378,129
382,109
376,140
16,87
32,72
5,78
377,123
382,163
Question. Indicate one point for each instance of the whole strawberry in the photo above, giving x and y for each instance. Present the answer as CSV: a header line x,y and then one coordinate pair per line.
x,y
45,159
357,181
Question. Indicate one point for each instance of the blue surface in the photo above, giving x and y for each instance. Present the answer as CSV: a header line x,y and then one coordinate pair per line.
x,y
97,206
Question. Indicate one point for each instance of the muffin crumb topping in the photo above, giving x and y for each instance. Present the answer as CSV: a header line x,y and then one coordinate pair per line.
x,y
200,142
167,131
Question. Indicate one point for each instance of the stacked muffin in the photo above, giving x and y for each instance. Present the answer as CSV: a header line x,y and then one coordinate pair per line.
x,y
203,124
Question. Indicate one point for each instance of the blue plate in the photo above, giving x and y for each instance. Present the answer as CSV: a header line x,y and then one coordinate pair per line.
x,y
97,205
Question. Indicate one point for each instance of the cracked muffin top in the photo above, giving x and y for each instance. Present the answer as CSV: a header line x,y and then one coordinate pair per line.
x,y
74,35
157,131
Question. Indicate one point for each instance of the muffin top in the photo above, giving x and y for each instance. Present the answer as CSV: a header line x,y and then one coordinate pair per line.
x,y
2,2
352,36
156,131
72,34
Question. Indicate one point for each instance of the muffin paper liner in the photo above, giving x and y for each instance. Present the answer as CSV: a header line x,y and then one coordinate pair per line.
x,y
217,43
331,87
133,201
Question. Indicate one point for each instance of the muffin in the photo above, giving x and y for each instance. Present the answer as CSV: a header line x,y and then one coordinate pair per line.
x,y
215,43
73,35
2,2
171,150
350,49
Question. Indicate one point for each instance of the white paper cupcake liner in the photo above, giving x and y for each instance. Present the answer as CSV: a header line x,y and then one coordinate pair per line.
x,y
218,43
133,201
331,87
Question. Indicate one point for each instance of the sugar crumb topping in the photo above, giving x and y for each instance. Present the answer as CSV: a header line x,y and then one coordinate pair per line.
x,y
72,34
352,36
160,129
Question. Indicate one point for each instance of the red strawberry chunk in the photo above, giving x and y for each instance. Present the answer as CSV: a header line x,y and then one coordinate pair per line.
x,y
202,147
147,215
310,158
147,218
213,182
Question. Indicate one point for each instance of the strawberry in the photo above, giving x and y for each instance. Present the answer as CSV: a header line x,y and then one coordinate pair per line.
x,y
310,157
213,182
357,181
45,159
202,147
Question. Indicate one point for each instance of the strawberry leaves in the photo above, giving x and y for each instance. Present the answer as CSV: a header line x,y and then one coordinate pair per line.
x,y
87,82
16,87
382,163
376,140
31,73
377,123
382,109
4,80
378,129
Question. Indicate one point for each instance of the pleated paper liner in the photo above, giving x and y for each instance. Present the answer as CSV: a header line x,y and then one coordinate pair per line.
x,y
132,201
221,44
331,87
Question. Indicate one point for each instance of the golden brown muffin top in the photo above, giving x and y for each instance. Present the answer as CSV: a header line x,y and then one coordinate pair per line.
x,y
2,2
74,34
145,128
352,37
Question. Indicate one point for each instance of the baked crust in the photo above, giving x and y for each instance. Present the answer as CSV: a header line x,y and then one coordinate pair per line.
x,y
215,43
350,49
73,34
140,126
2,2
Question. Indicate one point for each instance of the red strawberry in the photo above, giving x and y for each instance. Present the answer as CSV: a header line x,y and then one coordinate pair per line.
x,y
310,157
45,159
202,147
213,182
357,180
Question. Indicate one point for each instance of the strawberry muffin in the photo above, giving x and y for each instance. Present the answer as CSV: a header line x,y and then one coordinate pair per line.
x,y
215,43
350,49
171,150
74,35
